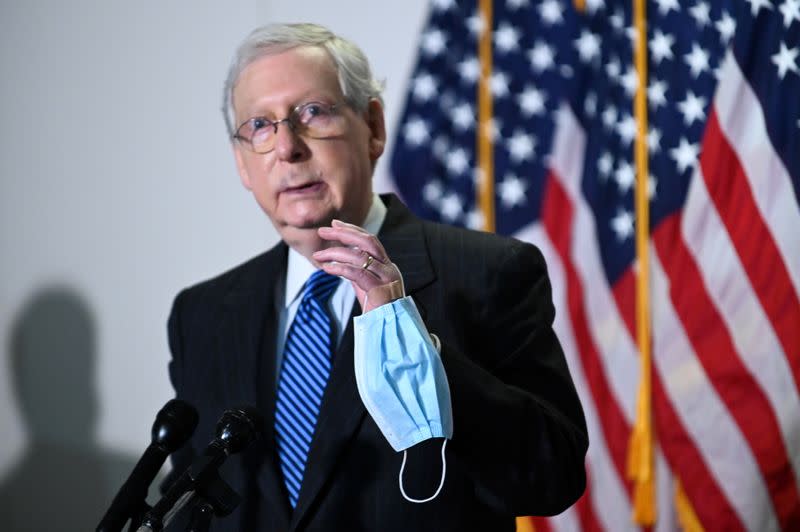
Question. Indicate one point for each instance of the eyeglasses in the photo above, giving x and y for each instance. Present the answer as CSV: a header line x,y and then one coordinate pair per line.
x,y
313,119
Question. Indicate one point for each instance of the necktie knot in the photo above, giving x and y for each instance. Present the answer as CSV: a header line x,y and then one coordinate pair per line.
x,y
320,286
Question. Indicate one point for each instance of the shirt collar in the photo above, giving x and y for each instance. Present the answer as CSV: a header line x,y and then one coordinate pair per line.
x,y
299,268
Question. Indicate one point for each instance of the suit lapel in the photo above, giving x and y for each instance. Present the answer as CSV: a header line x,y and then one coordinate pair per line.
x,y
247,332
342,411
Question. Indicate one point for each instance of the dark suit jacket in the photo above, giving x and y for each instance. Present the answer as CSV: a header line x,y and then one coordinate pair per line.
x,y
519,433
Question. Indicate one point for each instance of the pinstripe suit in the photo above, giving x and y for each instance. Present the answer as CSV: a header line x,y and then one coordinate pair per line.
x,y
519,433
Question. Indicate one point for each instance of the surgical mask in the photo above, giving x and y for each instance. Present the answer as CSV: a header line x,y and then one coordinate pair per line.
x,y
401,379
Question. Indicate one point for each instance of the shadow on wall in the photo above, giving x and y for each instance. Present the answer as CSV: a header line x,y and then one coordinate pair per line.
x,y
64,481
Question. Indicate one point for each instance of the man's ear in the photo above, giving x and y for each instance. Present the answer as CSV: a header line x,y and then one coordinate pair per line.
x,y
244,177
377,128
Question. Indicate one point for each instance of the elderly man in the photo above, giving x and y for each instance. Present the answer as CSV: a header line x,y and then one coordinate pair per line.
x,y
367,331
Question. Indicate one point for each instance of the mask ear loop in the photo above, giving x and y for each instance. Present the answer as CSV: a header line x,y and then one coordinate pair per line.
x,y
441,482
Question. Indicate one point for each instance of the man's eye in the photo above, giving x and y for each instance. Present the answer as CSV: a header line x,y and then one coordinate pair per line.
x,y
312,111
260,123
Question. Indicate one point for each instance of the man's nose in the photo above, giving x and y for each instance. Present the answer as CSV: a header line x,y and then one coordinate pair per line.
x,y
288,144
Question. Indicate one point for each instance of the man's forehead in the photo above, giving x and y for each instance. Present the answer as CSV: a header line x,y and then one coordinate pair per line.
x,y
297,70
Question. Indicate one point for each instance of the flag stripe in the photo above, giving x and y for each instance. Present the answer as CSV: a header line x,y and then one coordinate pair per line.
x,y
675,443
608,507
735,385
557,217
686,380
741,120
729,189
710,503
726,280
616,350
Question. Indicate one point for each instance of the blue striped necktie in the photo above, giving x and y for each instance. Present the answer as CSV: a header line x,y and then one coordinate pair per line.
x,y
304,373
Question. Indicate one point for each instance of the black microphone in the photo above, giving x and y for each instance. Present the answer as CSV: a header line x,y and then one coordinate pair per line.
x,y
236,429
174,424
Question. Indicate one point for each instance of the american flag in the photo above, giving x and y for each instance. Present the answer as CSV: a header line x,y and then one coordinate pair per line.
x,y
723,141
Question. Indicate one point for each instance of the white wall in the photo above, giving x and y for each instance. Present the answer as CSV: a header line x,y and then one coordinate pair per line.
x,y
117,188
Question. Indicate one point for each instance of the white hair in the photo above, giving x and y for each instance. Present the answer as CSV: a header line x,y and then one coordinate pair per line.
x,y
355,76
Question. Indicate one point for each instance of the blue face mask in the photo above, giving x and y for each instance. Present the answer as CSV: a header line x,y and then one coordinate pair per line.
x,y
401,378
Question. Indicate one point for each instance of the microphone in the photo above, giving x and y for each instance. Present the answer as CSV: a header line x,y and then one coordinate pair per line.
x,y
174,424
235,430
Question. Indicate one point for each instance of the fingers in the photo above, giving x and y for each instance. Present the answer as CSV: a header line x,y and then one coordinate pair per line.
x,y
360,259
354,236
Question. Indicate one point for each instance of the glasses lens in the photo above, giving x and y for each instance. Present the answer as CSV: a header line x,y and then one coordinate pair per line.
x,y
261,133
319,120
314,120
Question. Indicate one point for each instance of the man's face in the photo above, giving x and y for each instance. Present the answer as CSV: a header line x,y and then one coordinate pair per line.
x,y
304,183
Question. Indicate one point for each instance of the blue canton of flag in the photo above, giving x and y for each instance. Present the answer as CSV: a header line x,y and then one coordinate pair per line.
x,y
434,162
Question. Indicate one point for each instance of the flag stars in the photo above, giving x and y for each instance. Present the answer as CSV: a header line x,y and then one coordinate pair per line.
x,y
463,116
499,84
652,185
700,13
506,38
609,117
685,155
692,108
433,42
665,6
657,93
617,20
630,81
785,60
424,87
626,129
441,146
661,46
756,5
654,140
790,9
551,12
697,60
592,6
491,129
588,46
475,220
451,207
443,5
632,34
512,191
622,225
475,24
726,26
416,131
590,104
613,68
541,56
516,4
432,192
521,146
624,176
605,163
457,161
532,101
469,69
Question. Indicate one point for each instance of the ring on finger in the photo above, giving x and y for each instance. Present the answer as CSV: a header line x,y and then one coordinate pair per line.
x,y
370,260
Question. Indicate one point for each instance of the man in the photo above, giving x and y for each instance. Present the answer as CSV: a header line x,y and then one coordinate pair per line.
x,y
486,370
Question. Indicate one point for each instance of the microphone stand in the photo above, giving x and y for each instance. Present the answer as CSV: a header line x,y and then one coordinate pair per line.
x,y
200,486
208,496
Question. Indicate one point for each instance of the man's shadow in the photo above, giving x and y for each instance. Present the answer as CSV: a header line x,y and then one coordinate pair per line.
x,y
64,481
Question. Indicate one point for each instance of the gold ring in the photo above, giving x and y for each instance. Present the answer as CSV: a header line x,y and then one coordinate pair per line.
x,y
370,260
